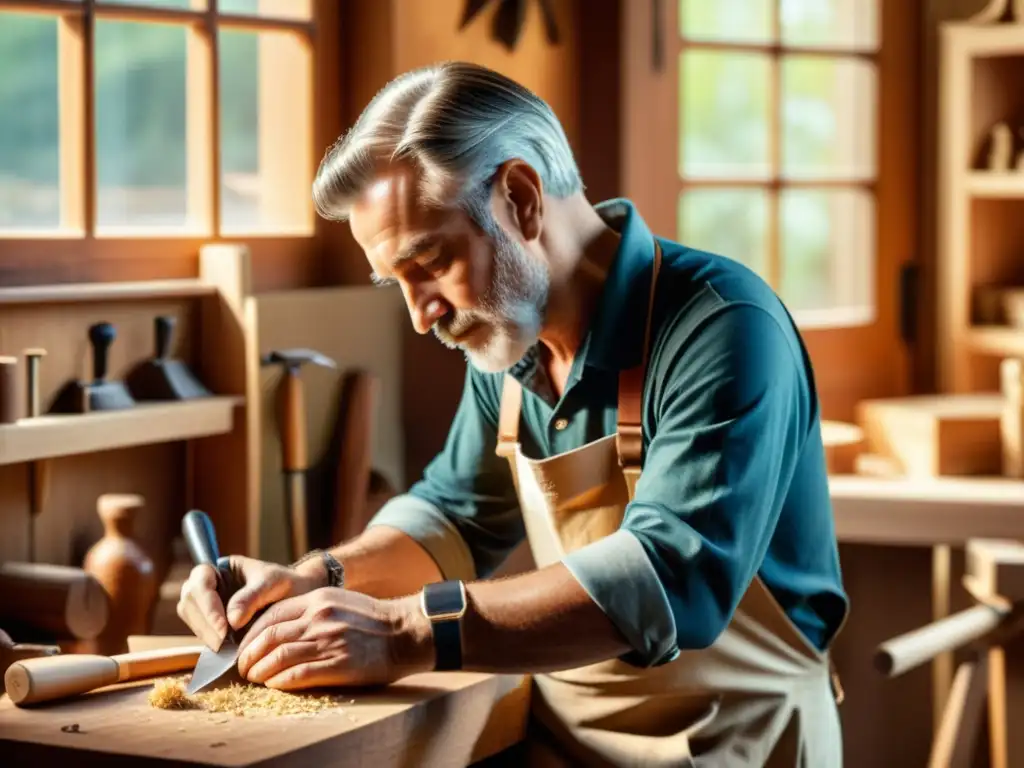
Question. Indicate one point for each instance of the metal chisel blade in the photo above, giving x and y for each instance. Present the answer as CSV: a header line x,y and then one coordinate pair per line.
x,y
213,665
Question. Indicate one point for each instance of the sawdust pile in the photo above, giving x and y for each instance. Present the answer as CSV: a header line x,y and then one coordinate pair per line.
x,y
239,700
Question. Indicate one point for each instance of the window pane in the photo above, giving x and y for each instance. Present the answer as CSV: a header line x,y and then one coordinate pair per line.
x,y
182,5
724,111
828,249
829,109
266,142
850,24
729,222
735,21
140,125
29,159
277,9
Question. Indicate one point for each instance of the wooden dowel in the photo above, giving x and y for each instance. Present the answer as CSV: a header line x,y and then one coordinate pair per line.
x,y
912,649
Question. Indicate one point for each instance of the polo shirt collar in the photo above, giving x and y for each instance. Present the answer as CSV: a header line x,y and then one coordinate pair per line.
x,y
615,338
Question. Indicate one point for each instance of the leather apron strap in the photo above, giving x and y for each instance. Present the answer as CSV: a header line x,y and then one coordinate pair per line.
x,y
629,430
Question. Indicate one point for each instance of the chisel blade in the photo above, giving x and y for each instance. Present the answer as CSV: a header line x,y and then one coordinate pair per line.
x,y
213,666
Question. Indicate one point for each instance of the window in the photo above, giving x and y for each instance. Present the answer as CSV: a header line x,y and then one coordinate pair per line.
x,y
777,146
155,121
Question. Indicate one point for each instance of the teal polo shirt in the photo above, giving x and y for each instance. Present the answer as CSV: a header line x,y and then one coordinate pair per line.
x,y
733,483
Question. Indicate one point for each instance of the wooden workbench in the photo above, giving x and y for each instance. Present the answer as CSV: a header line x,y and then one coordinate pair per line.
x,y
437,719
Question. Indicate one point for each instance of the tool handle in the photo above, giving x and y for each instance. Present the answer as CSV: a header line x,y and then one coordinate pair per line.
x,y
101,336
56,677
200,537
911,649
156,661
164,326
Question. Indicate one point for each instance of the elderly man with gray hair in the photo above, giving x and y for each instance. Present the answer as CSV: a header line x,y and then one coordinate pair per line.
x,y
643,413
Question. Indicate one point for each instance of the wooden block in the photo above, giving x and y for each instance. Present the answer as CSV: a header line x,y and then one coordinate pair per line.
x,y
435,720
936,435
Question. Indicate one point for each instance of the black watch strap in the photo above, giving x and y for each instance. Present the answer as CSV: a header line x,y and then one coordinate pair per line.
x,y
332,568
444,603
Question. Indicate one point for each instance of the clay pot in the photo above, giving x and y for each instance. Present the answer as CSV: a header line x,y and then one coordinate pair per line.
x,y
126,572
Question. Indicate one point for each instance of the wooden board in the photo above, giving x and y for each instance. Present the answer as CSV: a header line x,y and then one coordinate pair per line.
x,y
438,719
936,435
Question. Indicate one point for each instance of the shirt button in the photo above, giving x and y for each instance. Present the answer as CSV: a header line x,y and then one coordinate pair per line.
x,y
561,424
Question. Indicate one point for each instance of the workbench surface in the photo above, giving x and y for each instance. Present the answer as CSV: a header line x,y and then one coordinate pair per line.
x,y
437,719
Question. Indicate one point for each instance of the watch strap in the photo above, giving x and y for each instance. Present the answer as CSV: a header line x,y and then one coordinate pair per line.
x,y
444,603
332,568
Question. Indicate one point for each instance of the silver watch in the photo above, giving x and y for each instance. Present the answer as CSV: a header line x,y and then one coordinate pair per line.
x,y
334,570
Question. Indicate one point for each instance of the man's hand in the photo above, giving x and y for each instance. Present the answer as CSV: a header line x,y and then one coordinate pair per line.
x,y
202,609
336,637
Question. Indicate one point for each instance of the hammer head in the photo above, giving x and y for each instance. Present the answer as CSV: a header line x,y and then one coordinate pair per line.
x,y
295,358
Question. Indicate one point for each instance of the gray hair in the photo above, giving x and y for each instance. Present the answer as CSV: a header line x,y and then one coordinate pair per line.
x,y
457,123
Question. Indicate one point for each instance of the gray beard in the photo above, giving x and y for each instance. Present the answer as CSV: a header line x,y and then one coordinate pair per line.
x,y
512,310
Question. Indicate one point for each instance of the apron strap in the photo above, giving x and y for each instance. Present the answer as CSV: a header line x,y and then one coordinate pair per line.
x,y
629,432
508,417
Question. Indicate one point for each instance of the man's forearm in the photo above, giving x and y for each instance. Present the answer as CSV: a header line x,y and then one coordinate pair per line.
x,y
381,562
540,621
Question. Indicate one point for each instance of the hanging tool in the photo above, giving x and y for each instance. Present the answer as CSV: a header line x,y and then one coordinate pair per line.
x,y
162,377
291,415
100,394
218,666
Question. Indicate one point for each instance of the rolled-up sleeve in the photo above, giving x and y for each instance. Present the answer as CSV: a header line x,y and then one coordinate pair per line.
x,y
728,416
463,511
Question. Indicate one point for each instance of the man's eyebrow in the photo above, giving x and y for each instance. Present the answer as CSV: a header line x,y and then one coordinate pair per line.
x,y
409,251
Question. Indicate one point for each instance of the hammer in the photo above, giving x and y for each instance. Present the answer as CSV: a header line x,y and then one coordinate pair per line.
x,y
291,415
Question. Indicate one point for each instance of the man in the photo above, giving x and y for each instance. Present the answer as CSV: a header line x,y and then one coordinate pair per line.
x,y
678,615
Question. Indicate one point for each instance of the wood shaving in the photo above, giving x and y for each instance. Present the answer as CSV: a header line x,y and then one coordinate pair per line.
x,y
239,700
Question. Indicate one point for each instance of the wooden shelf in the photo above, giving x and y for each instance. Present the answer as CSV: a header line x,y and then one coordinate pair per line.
x,y
996,185
943,510
48,437
126,291
998,340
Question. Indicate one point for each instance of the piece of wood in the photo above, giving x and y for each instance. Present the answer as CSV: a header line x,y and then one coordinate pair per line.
x,y
51,678
936,435
843,443
446,720
104,292
9,408
357,408
1011,424
61,601
146,424
955,743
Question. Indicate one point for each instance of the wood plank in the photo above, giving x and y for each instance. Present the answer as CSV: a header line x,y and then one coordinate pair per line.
x,y
437,719
127,291
47,437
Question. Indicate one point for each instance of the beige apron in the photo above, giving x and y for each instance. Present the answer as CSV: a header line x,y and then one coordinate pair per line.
x,y
761,695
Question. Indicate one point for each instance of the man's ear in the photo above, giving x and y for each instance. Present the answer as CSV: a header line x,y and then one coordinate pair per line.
x,y
520,196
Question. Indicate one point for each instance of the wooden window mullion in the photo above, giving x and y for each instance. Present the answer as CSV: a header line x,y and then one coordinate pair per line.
x,y
774,233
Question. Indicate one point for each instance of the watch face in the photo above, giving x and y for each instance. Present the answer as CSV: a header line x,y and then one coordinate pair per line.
x,y
444,599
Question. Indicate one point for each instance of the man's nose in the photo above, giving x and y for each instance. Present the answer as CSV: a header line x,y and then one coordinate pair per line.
x,y
425,305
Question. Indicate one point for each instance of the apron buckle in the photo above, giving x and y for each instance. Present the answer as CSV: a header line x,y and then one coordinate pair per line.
x,y
837,686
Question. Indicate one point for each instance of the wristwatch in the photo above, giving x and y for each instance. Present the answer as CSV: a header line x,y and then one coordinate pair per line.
x,y
444,603
334,570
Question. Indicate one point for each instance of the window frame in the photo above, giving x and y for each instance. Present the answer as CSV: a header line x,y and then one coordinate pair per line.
x,y
77,252
852,361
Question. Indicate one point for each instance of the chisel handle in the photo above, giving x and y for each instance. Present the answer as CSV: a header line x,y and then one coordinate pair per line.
x,y
50,678
200,537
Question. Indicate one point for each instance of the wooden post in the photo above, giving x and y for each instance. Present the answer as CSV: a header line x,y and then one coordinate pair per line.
x,y
995,569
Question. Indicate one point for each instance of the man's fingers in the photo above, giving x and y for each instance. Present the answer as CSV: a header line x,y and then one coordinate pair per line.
x,y
318,673
253,596
285,610
281,658
268,641
200,606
